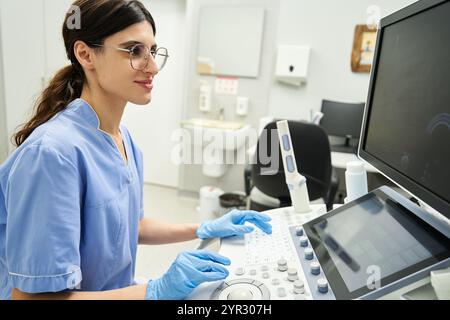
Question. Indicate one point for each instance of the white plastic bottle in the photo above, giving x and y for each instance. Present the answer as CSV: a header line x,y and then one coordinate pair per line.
x,y
355,180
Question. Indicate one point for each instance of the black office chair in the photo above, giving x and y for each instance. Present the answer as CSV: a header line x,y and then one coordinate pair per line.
x,y
312,151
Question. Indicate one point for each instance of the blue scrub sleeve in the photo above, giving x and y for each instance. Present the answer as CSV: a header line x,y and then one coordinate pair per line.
x,y
43,227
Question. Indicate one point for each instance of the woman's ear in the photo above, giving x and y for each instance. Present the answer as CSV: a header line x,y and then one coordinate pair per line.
x,y
84,55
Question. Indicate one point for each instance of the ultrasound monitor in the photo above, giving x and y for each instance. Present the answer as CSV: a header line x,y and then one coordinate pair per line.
x,y
406,136
406,128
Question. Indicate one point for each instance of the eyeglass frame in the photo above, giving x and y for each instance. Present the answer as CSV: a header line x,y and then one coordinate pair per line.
x,y
130,51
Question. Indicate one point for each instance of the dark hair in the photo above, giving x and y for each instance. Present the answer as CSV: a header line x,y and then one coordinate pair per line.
x,y
98,19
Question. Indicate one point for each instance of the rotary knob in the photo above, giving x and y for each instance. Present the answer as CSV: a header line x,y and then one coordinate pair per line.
x,y
299,231
282,265
309,254
304,241
299,287
322,285
292,274
315,268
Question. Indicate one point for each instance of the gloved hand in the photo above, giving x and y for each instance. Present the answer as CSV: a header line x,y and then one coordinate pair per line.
x,y
189,270
232,224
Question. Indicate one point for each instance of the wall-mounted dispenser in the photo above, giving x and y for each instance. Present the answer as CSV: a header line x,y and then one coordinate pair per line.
x,y
292,64
205,97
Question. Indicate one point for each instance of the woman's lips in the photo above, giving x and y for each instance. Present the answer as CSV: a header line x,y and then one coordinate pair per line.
x,y
147,84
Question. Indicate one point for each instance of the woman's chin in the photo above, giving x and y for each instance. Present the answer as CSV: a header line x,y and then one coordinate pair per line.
x,y
141,101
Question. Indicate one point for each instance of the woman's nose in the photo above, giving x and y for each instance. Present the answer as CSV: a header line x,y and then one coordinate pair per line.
x,y
152,67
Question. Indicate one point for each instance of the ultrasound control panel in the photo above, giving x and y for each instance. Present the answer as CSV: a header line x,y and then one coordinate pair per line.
x,y
366,249
267,267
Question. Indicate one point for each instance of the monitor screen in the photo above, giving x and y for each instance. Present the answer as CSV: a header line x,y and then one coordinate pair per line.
x,y
407,125
375,234
342,119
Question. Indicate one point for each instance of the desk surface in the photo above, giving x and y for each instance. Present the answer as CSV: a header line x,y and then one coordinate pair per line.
x,y
340,160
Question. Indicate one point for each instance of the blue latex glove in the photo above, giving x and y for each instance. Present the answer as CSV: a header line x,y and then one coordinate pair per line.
x,y
233,224
188,271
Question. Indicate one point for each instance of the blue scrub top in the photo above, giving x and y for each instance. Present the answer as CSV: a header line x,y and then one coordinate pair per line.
x,y
70,208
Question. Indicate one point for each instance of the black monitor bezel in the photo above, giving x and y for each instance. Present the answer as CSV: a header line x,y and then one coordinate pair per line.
x,y
436,202
335,280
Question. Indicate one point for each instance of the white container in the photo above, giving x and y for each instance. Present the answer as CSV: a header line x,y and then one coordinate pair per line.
x,y
355,180
293,64
209,202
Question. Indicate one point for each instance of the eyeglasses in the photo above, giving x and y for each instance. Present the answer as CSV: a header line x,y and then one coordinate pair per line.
x,y
140,56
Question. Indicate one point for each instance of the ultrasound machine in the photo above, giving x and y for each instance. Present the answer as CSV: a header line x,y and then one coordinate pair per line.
x,y
382,245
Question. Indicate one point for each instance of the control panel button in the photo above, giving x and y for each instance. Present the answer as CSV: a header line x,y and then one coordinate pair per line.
x,y
253,272
266,275
286,144
322,285
240,294
292,274
299,231
282,265
309,254
304,242
299,287
290,164
315,268
239,271
264,268
276,282
281,292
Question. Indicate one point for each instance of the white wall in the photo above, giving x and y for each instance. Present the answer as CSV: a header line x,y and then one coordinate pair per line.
x,y
257,89
22,34
3,131
33,51
328,27
152,126
55,52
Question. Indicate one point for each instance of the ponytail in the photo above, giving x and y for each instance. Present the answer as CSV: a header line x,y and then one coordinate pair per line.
x,y
65,87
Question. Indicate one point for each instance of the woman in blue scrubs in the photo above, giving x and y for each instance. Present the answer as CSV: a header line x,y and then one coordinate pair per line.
x,y
71,194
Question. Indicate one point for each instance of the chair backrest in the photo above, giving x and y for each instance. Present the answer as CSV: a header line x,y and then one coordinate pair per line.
x,y
312,152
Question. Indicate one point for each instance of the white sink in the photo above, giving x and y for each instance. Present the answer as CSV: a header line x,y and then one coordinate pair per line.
x,y
233,133
222,137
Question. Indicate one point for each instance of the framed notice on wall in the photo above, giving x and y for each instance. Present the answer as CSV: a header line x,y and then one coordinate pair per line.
x,y
363,48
